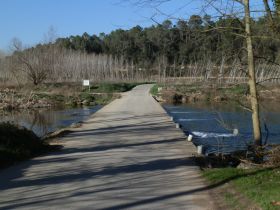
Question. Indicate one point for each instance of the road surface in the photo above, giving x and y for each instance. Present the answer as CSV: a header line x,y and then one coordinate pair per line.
x,y
128,155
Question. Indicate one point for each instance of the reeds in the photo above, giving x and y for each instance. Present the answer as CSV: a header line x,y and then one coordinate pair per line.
x,y
61,65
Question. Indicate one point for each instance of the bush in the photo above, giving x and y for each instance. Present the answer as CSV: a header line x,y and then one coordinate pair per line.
x,y
177,98
87,96
18,143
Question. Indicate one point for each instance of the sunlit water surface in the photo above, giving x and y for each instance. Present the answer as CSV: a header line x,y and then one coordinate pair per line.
x,y
215,126
43,121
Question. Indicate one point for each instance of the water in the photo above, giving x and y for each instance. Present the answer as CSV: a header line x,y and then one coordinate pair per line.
x,y
43,121
224,128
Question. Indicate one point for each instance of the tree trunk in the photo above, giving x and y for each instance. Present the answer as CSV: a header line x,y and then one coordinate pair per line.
x,y
252,77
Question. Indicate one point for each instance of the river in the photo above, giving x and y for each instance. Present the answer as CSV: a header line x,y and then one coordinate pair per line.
x,y
43,121
224,128
214,126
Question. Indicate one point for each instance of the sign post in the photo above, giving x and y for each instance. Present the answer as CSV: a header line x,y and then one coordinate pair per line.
x,y
86,83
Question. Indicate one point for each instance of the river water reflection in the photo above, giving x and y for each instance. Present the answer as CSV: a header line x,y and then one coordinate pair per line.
x,y
213,125
43,121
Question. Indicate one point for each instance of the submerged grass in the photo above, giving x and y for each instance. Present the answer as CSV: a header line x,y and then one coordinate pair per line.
x,y
262,186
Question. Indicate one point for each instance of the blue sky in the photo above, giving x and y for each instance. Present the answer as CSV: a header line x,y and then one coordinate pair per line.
x,y
29,20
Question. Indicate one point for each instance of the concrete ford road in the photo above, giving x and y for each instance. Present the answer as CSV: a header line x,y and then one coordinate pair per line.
x,y
128,155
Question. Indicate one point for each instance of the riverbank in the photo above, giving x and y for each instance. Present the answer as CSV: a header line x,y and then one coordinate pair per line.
x,y
192,93
236,182
129,148
60,94
17,143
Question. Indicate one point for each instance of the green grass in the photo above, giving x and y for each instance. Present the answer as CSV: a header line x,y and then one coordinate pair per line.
x,y
103,87
73,94
240,89
87,96
154,90
52,97
186,88
262,186
71,100
104,99
236,89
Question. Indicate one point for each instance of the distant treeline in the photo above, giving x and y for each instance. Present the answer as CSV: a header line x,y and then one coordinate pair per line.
x,y
198,49
183,43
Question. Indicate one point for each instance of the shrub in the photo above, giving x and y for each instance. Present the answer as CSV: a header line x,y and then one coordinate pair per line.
x,y
18,143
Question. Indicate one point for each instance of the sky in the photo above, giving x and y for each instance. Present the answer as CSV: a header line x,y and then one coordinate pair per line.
x,y
30,20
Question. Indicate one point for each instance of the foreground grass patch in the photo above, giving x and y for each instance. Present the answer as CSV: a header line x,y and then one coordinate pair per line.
x,y
262,186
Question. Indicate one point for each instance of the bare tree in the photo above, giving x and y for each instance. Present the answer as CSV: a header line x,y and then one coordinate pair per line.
x,y
51,35
35,62
251,75
241,9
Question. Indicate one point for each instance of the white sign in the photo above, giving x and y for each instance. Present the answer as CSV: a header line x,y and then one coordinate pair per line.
x,y
85,82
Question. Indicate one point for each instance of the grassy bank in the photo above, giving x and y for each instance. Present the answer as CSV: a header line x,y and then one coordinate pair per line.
x,y
18,143
61,94
261,186
98,94
113,87
154,90
197,92
102,87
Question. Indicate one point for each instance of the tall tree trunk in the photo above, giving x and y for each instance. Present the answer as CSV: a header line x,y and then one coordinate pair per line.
x,y
252,77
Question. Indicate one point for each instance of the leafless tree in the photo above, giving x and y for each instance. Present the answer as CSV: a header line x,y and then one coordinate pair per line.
x,y
51,35
243,10
36,62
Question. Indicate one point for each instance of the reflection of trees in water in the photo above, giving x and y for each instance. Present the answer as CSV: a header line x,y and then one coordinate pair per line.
x,y
43,121
40,121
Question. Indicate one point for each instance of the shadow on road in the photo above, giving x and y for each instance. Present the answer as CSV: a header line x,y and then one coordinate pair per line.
x,y
104,159
104,154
